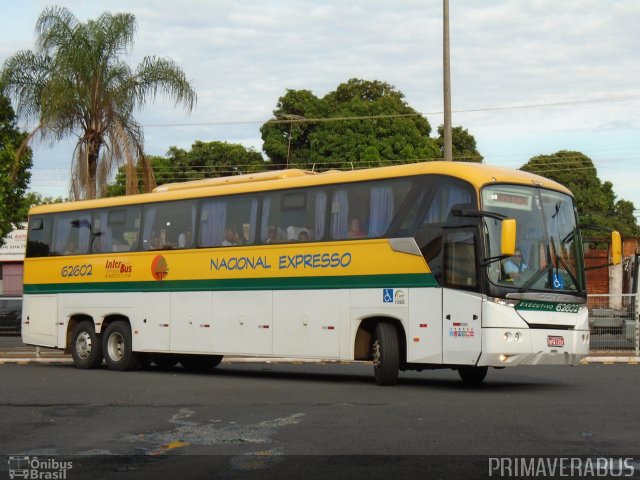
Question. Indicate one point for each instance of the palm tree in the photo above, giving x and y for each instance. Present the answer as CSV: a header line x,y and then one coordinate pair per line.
x,y
75,83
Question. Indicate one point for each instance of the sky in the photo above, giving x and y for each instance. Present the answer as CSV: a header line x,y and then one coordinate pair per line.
x,y
528,77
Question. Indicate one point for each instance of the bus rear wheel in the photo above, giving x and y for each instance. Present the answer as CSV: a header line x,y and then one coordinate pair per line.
x,y
472,375
86,349
386,354
200,363
117,347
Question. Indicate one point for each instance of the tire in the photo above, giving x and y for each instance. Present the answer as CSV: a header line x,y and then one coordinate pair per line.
x,y
200,363
86,349
116,347
386,354
472,375
165,361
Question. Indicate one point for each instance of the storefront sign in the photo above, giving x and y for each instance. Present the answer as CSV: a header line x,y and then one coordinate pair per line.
x,y
14,246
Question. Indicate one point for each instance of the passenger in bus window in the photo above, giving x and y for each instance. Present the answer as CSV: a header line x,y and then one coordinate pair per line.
x,y
185,239
71,248
241,239
118,242
273,235
230,237
354,229
303,236
155,242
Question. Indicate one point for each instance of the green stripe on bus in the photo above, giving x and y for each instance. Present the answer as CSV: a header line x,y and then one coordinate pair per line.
x,y
289,283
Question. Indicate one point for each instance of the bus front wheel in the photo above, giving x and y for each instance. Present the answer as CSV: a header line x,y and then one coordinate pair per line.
x,y
472,375
116,347
86,350
386,354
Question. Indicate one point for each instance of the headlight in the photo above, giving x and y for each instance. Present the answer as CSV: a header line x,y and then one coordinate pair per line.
x,y
504,301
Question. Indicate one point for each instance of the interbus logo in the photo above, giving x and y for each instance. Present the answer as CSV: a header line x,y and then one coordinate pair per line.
x,y
159,268
118,269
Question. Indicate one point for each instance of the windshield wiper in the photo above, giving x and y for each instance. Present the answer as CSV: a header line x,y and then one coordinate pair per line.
x,y
537,276
549,267
569,237
568,270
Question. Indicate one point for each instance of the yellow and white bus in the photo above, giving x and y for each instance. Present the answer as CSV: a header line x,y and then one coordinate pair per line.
x,y
404,266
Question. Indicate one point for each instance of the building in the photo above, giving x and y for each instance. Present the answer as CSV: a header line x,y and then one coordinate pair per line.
x,y
11,262
615,279
11,268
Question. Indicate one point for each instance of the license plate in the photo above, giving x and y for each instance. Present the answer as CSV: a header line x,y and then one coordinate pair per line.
x,y
555,341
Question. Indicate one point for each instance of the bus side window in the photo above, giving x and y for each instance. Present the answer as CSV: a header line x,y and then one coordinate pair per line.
x,y
72,233
293,216
228,221
116,229
39,236
164,222
366,209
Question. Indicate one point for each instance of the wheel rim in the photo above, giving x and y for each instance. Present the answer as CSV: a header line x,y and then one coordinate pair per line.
x,y
115,346
83,345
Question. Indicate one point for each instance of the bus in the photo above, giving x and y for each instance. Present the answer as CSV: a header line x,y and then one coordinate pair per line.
x,y
401,266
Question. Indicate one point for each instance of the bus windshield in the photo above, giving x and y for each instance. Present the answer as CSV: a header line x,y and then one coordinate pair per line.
x,y
548,251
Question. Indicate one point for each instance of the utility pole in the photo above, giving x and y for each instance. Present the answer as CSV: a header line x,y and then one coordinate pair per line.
x,y
292,119
448,149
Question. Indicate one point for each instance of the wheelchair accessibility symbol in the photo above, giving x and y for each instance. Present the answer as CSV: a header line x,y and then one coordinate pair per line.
x,y
557,281
387,295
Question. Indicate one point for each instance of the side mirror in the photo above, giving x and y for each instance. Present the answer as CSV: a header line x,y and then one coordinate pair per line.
x,y
616,248
508,237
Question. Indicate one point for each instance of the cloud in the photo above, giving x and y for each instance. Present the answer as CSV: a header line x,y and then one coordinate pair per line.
x,y
242,56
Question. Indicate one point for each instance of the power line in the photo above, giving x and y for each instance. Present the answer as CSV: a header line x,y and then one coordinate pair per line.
x,y
575,165
168,168
398,115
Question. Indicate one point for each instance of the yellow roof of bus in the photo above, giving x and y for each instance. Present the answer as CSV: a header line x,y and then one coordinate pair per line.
x,y
477,174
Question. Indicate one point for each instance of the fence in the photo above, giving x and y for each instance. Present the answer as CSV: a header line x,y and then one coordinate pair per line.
x,y
614,323
10,315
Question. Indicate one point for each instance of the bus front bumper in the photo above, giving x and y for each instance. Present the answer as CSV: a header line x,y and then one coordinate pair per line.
x,y
506,347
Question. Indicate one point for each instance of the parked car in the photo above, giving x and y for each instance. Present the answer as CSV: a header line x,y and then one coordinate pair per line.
x,y
10,316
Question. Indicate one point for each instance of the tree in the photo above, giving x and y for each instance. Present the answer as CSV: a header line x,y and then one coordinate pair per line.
x,y
312,132
14,175
595,199
463,143
76,83
31,199
204,160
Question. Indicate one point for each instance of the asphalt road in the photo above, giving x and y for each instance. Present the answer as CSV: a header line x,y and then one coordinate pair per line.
x,y
274,420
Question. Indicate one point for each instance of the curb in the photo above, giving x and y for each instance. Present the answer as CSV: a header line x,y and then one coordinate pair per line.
x,y
611,360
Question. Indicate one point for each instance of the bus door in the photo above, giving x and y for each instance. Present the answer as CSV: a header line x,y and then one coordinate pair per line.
x,y
461,298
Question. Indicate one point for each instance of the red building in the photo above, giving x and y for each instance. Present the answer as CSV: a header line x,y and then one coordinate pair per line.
x,y
607,280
